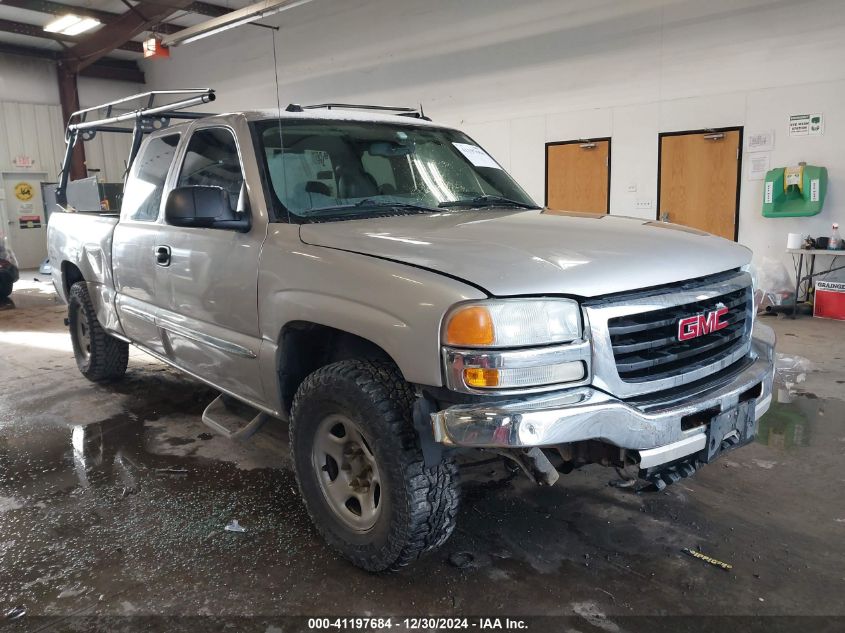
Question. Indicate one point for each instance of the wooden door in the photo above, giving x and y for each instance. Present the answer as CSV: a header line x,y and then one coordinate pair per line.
x,y
578,176
699,180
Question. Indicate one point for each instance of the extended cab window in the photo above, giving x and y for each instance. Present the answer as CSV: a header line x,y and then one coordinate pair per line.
x,y
142,198
212,160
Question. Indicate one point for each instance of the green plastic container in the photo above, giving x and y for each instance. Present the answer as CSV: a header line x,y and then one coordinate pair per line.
x,y
803,195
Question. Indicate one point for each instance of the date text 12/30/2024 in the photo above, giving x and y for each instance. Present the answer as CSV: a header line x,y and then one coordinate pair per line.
x,y
414,624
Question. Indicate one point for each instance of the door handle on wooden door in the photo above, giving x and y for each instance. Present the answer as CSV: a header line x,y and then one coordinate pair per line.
x,y
162,254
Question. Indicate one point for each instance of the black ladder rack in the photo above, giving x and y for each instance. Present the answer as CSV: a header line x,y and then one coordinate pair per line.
x,y
147,118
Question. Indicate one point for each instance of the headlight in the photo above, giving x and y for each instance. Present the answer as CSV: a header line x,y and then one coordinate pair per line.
x,y
514,345
513,323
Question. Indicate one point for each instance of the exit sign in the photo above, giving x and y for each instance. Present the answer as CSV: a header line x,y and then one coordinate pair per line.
x,y
23,161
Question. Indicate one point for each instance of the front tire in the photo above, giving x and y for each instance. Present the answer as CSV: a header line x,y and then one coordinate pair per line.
x,y
361,471
99,356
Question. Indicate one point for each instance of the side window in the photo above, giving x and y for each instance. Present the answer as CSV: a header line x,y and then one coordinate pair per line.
x,y
142,198
212,160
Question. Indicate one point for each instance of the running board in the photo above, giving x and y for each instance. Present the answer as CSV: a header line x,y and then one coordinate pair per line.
x,y
233,422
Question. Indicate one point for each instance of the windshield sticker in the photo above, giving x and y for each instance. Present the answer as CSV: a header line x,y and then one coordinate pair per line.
x,y
476,155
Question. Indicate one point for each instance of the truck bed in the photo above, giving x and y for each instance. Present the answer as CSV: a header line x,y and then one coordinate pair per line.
x,y
85,241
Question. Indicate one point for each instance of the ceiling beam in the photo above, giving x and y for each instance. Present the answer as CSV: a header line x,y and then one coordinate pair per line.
x,y
105,68
205,8
141,17
69,102
106,17
32,30
57,8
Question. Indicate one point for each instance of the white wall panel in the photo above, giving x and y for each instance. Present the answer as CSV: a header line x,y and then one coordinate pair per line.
x,y
31,121
506,71
36,130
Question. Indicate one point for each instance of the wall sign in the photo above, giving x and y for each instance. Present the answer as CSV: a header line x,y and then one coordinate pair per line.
x,y
24,191
806,124
758,166
760,141
30,221
23,160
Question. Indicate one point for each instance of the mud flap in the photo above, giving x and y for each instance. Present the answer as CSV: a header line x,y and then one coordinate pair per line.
x,y
432,451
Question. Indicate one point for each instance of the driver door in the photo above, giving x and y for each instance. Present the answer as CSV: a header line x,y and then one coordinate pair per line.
x,y
207,290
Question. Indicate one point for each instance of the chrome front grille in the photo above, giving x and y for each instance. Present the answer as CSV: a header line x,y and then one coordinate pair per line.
x,y
646,346
635,335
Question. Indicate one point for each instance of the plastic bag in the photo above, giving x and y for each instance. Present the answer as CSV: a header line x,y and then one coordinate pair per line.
x,y
774,285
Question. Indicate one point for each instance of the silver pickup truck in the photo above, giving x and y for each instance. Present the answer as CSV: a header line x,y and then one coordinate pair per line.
x,y
384,286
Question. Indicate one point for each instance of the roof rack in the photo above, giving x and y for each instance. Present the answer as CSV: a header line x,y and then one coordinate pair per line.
x,y
416,113
147,118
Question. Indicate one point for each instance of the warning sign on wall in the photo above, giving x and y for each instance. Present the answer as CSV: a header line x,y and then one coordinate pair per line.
x,y
30,221
806,124
23,191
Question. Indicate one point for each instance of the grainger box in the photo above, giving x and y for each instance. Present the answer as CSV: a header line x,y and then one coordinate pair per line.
x,y
829,301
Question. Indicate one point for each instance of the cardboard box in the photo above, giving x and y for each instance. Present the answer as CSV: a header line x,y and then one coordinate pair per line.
x,y
829,300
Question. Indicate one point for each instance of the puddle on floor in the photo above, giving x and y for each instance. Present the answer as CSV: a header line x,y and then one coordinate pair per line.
x,y
790,425
794,415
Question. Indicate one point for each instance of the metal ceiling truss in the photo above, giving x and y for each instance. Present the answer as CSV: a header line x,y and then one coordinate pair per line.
x,y
143,15
104,68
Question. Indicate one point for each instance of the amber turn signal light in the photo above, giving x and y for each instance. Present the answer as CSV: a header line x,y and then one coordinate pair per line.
x,y
470,326
477,377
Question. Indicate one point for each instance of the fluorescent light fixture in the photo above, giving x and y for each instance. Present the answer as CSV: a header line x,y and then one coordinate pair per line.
x,y
83,25
71,25
230,20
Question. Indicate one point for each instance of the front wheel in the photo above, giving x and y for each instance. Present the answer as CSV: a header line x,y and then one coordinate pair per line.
x,y
99,356
360,468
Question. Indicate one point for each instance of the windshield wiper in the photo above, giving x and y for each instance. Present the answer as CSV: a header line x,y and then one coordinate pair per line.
x,y
370,203
487,201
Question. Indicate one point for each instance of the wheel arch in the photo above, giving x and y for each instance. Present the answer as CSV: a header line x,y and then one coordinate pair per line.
x,y
306,346
71,274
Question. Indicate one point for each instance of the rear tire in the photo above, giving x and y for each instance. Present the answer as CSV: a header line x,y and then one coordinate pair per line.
x,y
99,356
352,437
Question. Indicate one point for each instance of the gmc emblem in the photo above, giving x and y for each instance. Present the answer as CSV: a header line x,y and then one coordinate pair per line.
x,y
701,324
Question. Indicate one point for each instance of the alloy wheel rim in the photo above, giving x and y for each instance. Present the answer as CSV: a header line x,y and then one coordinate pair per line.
x,y
347,472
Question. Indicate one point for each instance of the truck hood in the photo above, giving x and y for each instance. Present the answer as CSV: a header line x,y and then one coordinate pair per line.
x,y
537,252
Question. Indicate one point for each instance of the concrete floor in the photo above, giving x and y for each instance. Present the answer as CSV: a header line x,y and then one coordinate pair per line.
x,y
113,501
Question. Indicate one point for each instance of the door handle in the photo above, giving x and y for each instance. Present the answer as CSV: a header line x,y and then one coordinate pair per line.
x,y
162,254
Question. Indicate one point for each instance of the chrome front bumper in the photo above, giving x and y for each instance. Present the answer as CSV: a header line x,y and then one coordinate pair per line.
x,y
585,413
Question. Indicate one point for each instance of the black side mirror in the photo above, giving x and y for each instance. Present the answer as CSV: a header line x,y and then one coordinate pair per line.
x,y
204,207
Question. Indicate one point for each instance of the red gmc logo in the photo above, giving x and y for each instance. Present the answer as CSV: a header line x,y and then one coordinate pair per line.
x,y
701,324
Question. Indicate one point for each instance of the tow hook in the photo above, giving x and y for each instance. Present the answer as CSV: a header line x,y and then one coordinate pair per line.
x,y
534,463
672,474
660,477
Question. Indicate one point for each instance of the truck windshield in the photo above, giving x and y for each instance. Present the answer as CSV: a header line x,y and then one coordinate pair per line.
x,y
344,170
